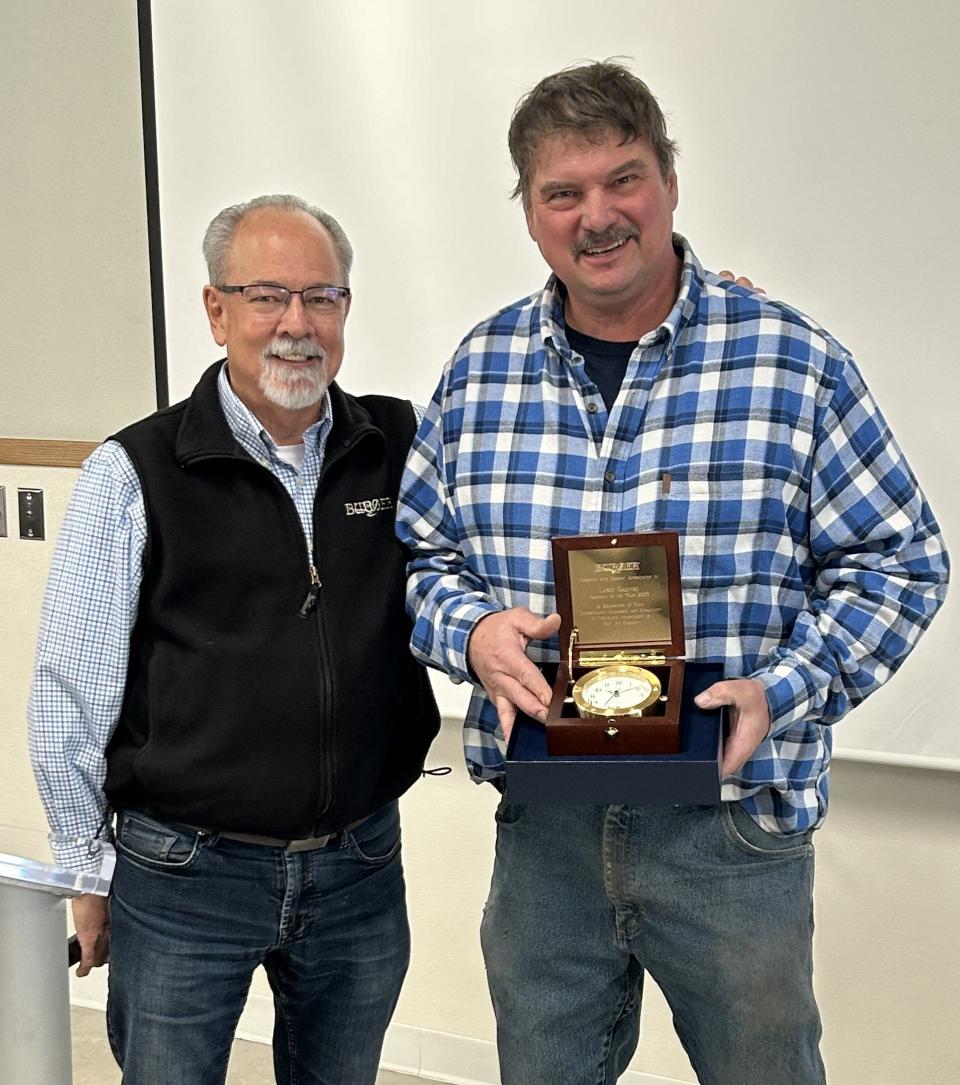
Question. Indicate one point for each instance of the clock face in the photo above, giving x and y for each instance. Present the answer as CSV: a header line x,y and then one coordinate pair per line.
x,y
616,690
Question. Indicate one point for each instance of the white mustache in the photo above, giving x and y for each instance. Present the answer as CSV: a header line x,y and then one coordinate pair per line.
x,y
282,347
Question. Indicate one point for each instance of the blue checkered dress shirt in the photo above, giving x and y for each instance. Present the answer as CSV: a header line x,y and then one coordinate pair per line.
x,y
89,611
810,560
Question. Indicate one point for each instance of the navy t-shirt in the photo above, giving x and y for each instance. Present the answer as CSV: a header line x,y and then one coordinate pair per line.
x,y
604,361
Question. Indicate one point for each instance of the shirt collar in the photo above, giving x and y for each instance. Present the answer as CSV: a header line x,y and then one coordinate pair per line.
x,y
249,431
553,326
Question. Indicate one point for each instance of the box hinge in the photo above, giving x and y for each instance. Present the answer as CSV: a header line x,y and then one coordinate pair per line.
x,y
573,640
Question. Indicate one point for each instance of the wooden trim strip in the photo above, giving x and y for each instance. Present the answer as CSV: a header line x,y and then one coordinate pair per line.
x,y
44,453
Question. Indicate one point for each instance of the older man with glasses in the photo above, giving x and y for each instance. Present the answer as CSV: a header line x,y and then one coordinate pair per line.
x,y
223,666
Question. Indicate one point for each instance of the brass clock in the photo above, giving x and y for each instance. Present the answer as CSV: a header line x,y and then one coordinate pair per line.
x,y
617,690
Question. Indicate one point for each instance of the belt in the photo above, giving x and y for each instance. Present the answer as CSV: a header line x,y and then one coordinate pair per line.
x,y
307,843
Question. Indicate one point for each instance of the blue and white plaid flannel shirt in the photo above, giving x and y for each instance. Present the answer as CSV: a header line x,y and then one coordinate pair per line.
x,y
810,560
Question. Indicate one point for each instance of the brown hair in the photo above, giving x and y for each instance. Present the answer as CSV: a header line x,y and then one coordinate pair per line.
x,y
587,100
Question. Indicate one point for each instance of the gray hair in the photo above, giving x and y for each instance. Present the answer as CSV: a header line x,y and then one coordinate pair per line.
x,y
588,100
219,235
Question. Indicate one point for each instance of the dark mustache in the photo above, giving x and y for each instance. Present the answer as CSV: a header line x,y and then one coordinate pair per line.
x,y
603,239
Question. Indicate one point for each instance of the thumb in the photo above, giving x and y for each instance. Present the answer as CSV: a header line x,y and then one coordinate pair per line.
x,y
549,625
716,695
534,628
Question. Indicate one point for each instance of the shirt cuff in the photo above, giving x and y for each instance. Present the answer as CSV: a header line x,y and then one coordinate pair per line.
x,y
459,624
82,854
789,695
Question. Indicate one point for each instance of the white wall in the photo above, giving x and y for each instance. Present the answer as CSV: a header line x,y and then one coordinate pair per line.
x,y
819,154
76,336
76,339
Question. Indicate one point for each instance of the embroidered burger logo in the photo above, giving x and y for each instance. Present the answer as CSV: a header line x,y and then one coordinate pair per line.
x,y
370,507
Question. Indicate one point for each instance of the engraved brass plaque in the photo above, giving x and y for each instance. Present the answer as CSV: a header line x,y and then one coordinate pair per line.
x,y
620,596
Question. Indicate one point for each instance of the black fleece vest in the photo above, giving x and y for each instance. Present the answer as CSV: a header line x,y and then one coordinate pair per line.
x,y
239,713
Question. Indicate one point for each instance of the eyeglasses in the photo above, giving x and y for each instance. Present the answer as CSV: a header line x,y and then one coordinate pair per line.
x,y
267,299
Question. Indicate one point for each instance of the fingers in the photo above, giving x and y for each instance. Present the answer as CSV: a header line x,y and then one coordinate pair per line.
x,y
743,739
92,921
89,958
507,715
749,718
94,950
531,696
496,655
527,687
740,280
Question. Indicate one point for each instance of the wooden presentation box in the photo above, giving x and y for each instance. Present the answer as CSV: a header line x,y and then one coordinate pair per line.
x,y
622,611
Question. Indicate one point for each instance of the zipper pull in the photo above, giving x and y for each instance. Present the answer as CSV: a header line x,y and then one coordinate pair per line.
x,y
311,600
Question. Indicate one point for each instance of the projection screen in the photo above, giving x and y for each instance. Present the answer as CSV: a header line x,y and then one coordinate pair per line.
x,y
819,150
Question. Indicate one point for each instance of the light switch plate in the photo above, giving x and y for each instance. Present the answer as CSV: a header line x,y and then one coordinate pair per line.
x,y
31,513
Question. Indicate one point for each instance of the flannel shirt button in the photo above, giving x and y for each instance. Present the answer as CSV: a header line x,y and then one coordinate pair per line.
x,y
609,476
592,408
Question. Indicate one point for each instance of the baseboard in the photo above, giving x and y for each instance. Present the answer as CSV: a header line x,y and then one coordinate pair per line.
x,y
418,1052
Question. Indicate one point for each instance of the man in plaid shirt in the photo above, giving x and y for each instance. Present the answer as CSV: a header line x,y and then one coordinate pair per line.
x,y
811,564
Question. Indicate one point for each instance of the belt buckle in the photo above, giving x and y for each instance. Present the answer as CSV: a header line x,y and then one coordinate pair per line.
x,y
310,843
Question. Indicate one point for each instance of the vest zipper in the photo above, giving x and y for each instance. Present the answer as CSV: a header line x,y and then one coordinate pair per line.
x,y
308,607
309,604
326,694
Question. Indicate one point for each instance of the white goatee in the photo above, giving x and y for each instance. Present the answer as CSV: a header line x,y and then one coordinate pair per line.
x,y
296,386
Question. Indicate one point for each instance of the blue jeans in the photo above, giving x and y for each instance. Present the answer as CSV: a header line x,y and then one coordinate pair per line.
x,y
584,900
192,915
